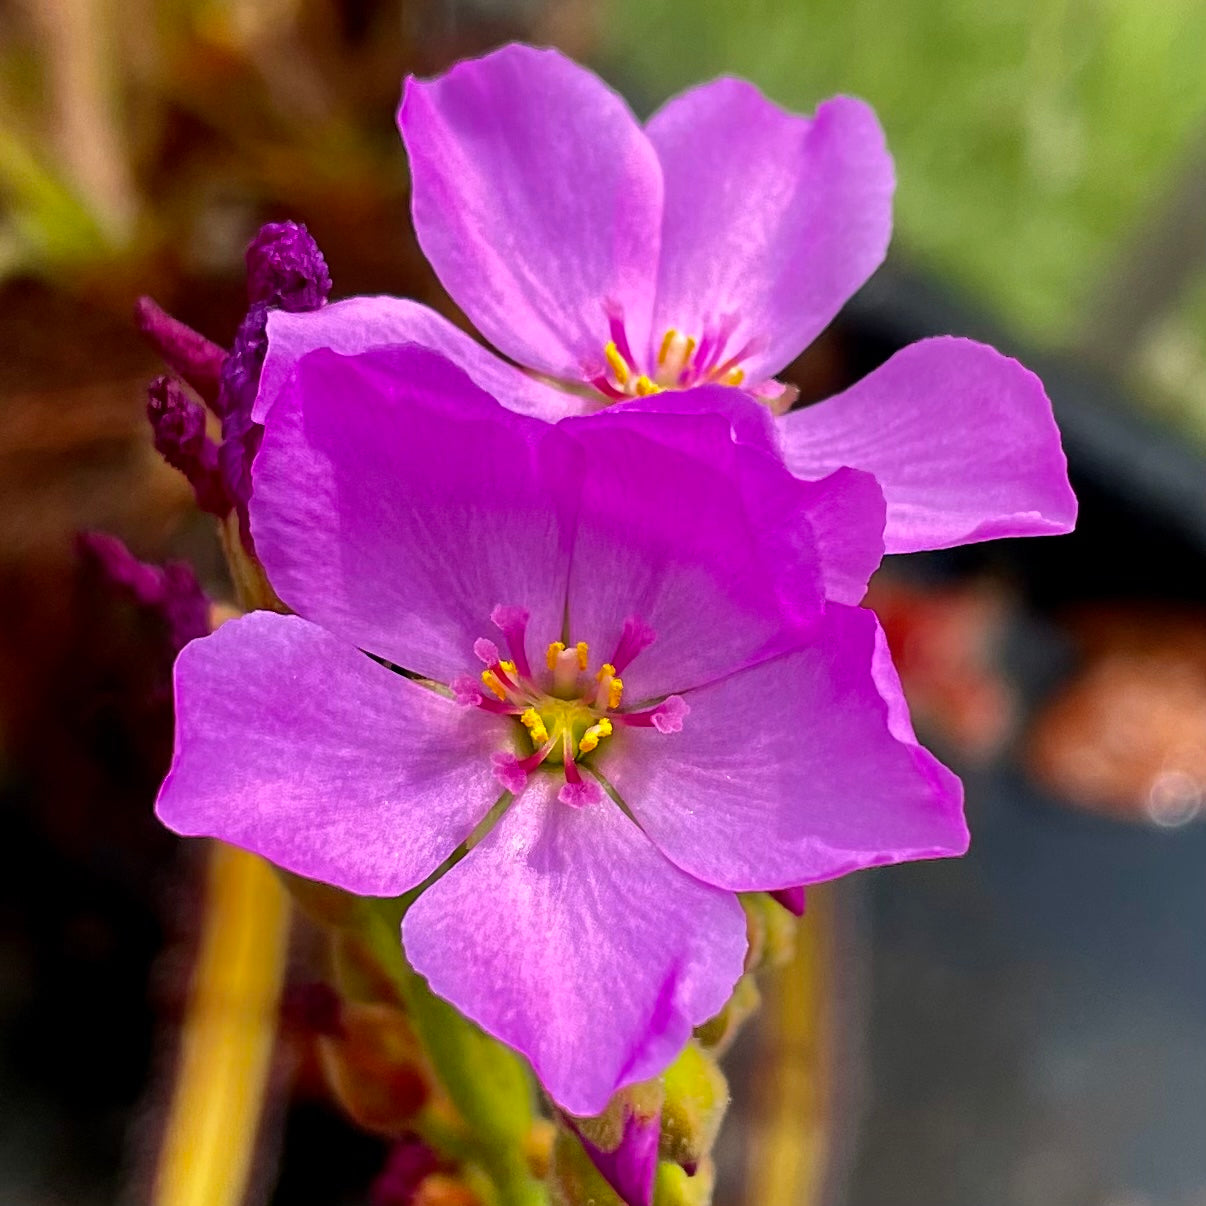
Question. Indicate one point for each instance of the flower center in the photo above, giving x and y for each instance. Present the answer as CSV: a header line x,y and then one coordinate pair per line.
x,y
715,357
563,711
683,361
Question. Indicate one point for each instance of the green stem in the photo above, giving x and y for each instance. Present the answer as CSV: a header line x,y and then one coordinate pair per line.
x,y
487,1082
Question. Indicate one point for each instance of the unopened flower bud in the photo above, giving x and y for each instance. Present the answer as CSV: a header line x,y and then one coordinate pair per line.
x,y
676,1187
178,427
173,591
622,1142
285,269
717,1034
189,355
409,1163
574,1180
771,931
697,1096
374,1067
792,899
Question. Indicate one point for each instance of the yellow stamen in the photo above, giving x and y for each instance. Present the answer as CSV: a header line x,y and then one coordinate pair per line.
x,y
555,649
619,365
582,655
736,377
615,692
530,719
644,387
593,735
667,340
508,668
604,670
491,681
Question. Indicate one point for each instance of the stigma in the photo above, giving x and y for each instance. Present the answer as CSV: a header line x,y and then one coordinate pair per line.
x,y
563,712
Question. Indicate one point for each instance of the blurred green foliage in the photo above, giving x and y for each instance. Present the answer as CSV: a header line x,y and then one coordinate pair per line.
x,y
1030,137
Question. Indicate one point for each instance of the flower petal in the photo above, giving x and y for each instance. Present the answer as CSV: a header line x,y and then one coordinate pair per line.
x,y
397,505
358,324
295,745
771,219
798,770
704,540
752,422
537,199
961,439
565,934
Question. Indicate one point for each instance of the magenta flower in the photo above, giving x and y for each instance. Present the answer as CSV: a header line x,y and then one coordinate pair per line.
x,y
618,628
712,245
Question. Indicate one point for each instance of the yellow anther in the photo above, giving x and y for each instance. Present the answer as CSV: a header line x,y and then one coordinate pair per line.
x,y
556,648
615,692
593,735
604,670
644,387
491,681
667,342
530,719
736,377
619,365
507,668
583,651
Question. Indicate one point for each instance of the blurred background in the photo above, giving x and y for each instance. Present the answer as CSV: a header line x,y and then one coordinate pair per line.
x,y
1025,1027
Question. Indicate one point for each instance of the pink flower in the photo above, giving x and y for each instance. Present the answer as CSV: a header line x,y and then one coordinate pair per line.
x,y
617,262
614,637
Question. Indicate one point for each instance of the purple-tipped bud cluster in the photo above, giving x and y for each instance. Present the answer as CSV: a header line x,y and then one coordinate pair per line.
x,y
286,270
186,352
173,590
409,1163
178,428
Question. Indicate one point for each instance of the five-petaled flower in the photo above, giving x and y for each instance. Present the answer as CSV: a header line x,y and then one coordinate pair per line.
x,y
616,262
616,659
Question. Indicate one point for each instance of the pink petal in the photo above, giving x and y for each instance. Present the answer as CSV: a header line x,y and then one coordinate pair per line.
x,y
797,770
537,199
771,219
565,934
960,438
359,324
397,505
704,540
295,745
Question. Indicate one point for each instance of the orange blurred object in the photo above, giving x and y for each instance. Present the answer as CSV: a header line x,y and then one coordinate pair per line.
x,y
944,642
1127,734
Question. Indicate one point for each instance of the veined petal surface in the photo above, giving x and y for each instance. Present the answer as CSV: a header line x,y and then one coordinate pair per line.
x,y
397,505
771,219
537,199
960,438
359,324
299,747
565,934
797,770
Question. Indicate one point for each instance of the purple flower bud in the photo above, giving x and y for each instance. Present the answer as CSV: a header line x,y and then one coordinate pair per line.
x,y
792,899
630,1167
143,582
409,1162
178,424
186,352
172,591
241,372
286,269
